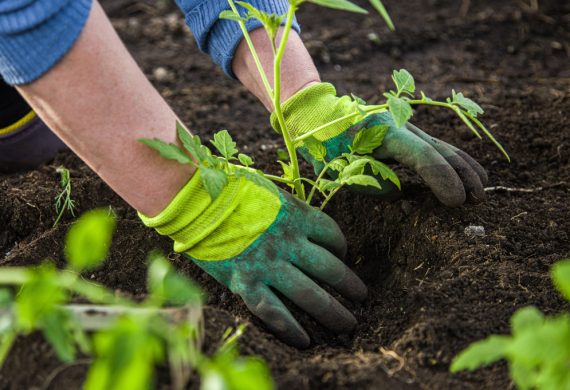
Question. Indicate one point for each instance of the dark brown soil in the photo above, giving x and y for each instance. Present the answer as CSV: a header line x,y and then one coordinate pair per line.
x,y
433,290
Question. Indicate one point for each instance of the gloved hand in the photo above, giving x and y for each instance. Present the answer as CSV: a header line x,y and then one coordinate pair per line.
x,y
253,240
448,171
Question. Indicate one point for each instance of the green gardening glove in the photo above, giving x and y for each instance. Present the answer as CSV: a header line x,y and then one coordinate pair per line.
x,y
254,240
450,172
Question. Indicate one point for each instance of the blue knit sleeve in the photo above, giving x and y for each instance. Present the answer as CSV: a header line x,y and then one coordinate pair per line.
x,y
220,38
36,34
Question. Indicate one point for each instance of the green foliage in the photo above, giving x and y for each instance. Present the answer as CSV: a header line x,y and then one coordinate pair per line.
x,y
369,139
561,277
63,200
228,370
538,351
224,143
399,103
126,355
379,7
135,337
343,5
88,241
215,170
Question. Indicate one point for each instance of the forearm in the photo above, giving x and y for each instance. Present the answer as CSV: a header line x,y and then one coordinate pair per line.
x,y
99,103
297,67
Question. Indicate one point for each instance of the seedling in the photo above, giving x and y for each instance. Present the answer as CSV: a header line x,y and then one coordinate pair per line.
x,y
538,351
63,201
350,167
126,338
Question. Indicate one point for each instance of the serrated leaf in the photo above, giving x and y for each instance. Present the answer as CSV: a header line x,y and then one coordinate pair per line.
x,y
400,109
404,81
481,353
257,178
88,241
527,318
363,180
369,139
166,150
467,104
193,144
214,180
338,164
245,160
316,148
328,185
343,5
379,168
561,277
356,167
224,143
379,7
230,15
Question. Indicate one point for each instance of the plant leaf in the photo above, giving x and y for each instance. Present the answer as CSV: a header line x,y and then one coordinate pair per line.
x,y
369,139
400,109
527,318
561,277
467,104
404,81
193,145
245,160
224,143
166,150
316,148
481,353
338,164
169,286
214,180
379,7
230,15
379,168
88,241
328,185
257,178
343,5
56,331
363,180
356,167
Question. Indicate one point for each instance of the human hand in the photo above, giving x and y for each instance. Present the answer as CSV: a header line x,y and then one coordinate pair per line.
x,y
253,240
451,173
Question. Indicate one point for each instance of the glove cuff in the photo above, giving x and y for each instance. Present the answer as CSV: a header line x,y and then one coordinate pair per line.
x,y
315,106
216,229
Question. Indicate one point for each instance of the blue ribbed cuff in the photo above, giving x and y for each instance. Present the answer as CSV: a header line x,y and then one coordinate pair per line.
x,y
31,43
220,38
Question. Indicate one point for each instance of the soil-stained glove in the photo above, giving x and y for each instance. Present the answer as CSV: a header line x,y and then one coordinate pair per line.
x,y
254,240
449,172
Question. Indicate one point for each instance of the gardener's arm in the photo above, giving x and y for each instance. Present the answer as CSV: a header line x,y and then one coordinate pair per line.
x,y
451,174
81,80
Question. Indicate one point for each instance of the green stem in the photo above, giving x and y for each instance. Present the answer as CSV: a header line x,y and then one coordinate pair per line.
x,y
329,197
252,51
368,110
315,187
299,188
278,179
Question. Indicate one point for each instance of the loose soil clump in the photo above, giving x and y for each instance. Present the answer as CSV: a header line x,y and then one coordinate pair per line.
x,y
433,288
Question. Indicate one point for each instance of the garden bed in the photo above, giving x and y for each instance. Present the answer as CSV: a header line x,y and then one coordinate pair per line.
x,y
433,288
